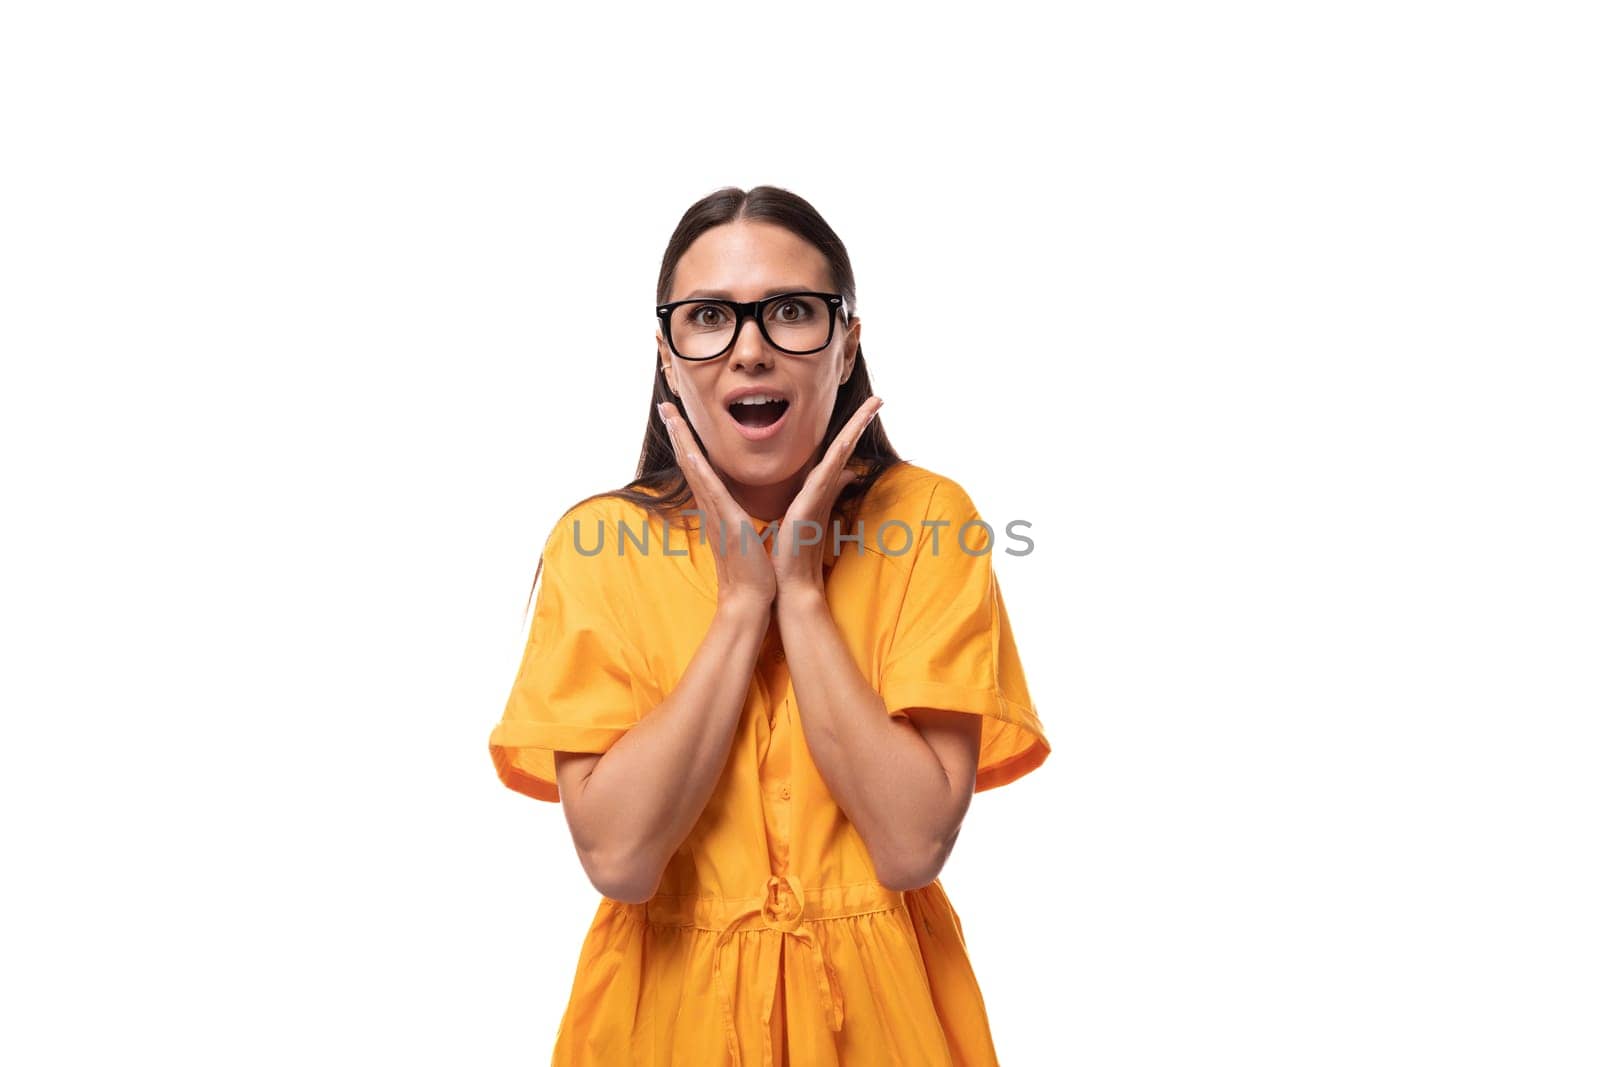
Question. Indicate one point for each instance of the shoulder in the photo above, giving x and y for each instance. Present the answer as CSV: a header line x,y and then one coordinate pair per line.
x,y
581,545
913,494
591,513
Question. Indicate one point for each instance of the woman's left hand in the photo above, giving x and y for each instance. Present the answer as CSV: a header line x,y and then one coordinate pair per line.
x,y
799,566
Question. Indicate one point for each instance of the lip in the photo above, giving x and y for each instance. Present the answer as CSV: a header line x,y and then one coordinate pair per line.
x,y
754,390
757,433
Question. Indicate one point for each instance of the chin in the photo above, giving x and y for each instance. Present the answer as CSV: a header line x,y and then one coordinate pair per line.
x,y
756,470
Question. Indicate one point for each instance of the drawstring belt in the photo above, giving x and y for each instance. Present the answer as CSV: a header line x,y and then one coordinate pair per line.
x,y
793,913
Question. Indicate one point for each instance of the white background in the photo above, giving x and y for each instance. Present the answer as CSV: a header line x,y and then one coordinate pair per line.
x,y
1278,322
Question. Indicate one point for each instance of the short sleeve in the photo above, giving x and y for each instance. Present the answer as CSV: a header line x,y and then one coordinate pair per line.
x,y
575,690
952,646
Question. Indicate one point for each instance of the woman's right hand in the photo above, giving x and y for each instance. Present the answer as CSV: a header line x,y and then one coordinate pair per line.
x,y
746,577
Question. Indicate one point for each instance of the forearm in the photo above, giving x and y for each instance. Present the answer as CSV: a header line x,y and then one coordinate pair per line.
x,y
646,792
880,770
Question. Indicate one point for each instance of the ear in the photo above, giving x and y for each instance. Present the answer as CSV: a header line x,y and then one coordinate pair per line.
x,y
665,356
852,341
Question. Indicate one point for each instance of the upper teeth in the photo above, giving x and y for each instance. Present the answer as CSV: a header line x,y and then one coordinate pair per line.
x,y
759,398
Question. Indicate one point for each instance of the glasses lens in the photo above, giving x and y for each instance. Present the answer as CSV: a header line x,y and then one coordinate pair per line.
x,y
798,323
704,328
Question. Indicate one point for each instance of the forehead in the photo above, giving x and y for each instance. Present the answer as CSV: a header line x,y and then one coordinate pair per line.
x,y
748,260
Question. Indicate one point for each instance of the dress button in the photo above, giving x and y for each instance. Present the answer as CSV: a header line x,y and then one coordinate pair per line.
x,y
783,791
778,655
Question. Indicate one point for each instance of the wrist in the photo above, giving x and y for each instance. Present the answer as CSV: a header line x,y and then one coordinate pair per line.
x,y
801,598
744,608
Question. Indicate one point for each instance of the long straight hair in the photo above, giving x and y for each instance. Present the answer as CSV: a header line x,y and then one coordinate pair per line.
x,y
658,483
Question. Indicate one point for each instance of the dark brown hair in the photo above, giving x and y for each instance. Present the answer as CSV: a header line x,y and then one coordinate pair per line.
x,y
658,484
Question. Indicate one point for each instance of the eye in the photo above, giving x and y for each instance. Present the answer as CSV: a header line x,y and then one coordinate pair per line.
x,y
697,315
790,311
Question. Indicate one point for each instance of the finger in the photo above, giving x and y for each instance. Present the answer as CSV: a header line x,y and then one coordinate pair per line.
x,y
711,495
819,508
852,431
695,470
849,435
687,453
825,477
820,492
843,482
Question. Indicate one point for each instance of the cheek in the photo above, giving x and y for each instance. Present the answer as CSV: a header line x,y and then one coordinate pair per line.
x,y
700,400
823,399
819,412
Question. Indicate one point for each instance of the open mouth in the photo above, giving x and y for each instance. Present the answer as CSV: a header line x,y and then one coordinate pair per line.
x,y
760,415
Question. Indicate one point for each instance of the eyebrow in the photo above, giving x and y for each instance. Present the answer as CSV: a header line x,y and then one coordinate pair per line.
x,y
723,294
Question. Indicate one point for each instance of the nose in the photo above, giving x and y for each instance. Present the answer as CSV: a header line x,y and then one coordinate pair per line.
x,y
750,348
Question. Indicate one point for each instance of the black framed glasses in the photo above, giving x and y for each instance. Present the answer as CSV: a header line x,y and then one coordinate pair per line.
x,y
798,323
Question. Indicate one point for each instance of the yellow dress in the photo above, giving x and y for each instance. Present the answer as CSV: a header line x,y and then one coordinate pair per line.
x,y
769,939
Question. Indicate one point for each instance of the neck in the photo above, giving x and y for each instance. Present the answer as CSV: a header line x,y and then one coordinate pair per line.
x,y
767,503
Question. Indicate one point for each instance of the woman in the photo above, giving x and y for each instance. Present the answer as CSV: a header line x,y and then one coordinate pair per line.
x,y
765,737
